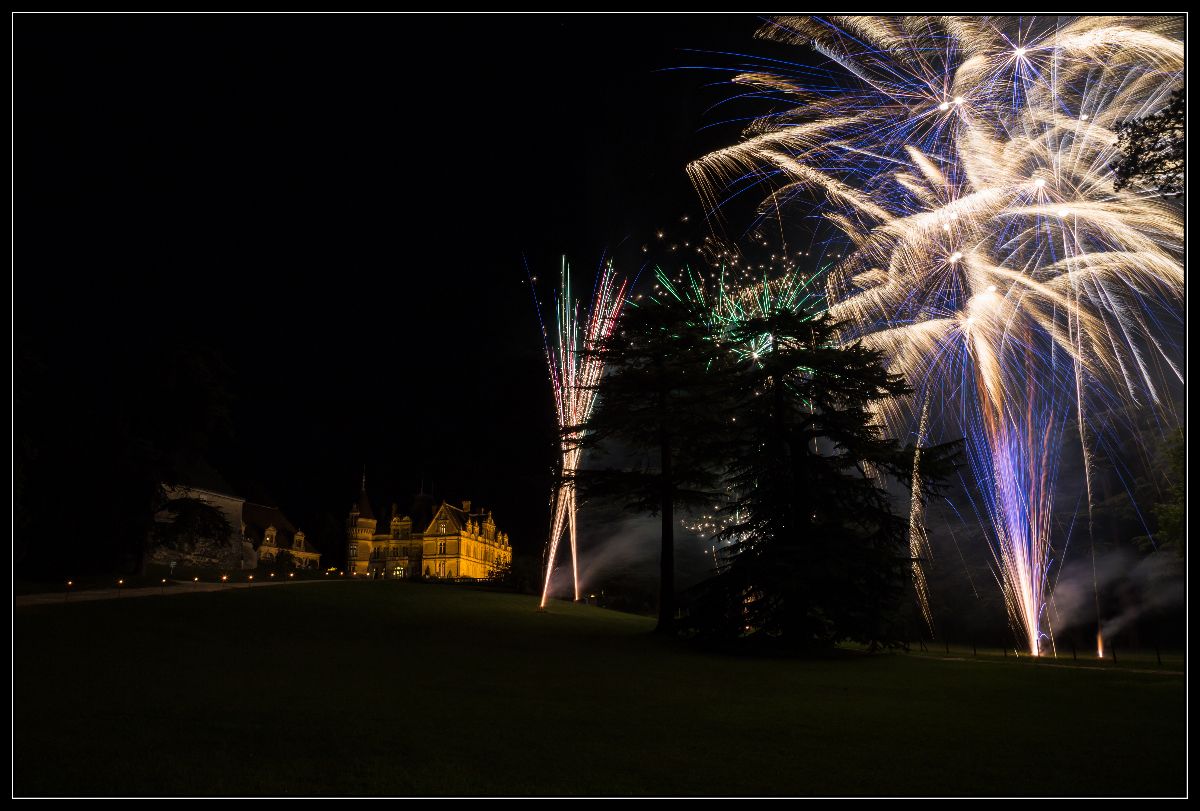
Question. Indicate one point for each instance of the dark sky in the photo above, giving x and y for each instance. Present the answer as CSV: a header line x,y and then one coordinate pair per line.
x,y
340,207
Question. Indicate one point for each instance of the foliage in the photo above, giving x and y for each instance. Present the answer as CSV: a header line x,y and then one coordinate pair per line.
x,y
1153,149
815,553
660,409
284,561
501,573
1172,513
194,528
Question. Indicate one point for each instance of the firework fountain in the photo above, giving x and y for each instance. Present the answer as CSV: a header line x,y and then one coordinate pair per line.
x,y
575,373
967,161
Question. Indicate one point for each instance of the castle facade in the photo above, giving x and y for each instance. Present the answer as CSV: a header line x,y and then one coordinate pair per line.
x,y
457,544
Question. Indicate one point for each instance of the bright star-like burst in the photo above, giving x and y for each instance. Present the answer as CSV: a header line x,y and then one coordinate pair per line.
x,y
994,264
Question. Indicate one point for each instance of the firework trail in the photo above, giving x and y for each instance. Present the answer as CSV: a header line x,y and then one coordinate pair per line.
x,y
727,299
575,373
995,266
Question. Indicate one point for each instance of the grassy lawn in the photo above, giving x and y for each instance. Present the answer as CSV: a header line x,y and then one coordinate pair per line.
x,y
404,688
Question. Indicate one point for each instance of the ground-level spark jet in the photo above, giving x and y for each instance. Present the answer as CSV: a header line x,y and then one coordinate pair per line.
x,y
575,372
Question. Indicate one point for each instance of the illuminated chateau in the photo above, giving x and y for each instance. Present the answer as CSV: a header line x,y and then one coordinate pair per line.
x,y
457,543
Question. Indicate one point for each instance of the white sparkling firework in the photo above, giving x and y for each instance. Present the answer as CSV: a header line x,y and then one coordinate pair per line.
x,y
575,372
968,162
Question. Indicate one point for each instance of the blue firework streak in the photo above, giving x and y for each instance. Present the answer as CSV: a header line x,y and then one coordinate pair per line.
x,y
965,160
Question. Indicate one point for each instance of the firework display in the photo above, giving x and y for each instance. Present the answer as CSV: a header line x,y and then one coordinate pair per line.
x,y
575,374
967,163
728,300
728,297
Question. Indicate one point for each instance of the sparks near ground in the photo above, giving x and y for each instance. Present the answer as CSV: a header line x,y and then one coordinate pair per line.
x,y
995,266
575,372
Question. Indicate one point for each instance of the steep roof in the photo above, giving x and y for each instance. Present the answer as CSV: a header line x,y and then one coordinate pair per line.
x,y
258,517
199,475
456,518
364,505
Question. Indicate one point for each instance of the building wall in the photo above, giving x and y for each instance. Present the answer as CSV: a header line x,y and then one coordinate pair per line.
x,y
230,506
472,552
304,560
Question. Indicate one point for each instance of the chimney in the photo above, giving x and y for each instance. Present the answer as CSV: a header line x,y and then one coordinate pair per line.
x,y
466,506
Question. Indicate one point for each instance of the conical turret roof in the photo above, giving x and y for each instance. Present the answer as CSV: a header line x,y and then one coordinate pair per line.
x,y
364,503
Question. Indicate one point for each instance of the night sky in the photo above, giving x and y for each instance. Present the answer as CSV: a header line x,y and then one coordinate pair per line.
x,y
341,209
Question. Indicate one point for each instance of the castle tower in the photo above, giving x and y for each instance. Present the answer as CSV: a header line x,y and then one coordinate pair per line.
x,y
360,528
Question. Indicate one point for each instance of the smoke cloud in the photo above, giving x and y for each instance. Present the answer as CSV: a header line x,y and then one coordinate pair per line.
x,y
1144,586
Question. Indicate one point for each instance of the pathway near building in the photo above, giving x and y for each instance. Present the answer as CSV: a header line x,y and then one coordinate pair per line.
x,y
172,587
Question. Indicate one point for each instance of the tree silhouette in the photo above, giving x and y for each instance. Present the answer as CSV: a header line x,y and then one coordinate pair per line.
x,y
660,409
814,552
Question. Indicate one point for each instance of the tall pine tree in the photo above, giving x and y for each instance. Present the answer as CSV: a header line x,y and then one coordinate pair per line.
x,y
662,411
815,552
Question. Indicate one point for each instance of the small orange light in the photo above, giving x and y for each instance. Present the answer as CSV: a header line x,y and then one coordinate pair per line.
x,y
120,582
70,583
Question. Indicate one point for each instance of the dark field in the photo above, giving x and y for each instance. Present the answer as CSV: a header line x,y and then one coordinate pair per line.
x,y
403,688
